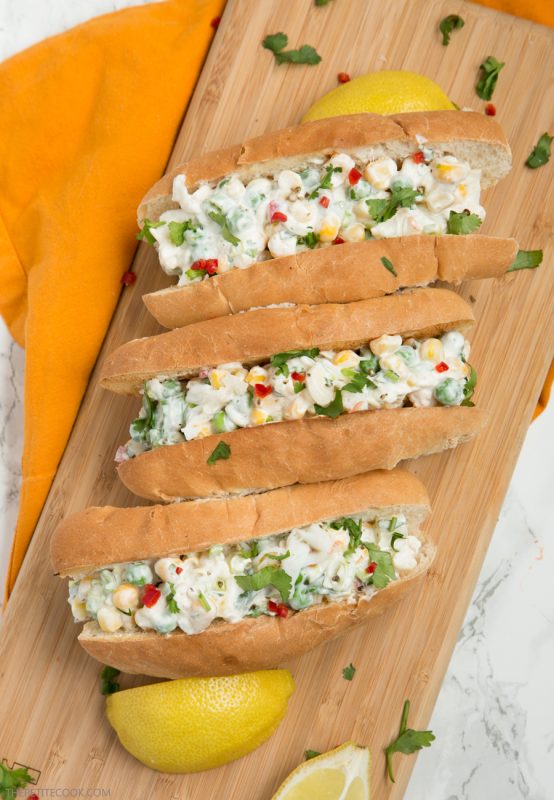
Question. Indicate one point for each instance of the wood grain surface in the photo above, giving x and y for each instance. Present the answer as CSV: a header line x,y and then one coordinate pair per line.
x,y
51,710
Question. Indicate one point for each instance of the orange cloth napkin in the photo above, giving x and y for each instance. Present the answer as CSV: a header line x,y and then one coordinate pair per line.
x,y
541,11
93,108
88,122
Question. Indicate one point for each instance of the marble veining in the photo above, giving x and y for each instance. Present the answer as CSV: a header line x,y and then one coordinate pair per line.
x,y
494,718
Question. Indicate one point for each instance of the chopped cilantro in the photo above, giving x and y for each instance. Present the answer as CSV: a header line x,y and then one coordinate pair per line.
x,y
221,451
407,741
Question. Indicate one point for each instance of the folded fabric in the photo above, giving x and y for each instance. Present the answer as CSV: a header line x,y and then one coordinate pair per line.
x,y
541,11
93,108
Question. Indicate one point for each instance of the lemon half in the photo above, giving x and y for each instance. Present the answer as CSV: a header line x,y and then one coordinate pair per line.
x,y
340,774
195,724
386,92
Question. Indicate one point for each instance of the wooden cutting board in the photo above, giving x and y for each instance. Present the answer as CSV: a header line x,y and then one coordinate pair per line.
x,y
51,710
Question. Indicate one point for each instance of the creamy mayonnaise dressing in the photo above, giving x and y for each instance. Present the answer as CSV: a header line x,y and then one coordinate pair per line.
x,y
389,373
320,563
231,224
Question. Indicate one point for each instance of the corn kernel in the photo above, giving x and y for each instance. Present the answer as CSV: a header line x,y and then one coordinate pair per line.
x,y
354,233
431,350
380,172
216,378
109,619
126,597
395,363
449,172
346,358
258,417
256,375
329,228
361,210
79,609
385,344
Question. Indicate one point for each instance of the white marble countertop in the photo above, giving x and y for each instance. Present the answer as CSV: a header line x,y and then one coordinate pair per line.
x,y
494,717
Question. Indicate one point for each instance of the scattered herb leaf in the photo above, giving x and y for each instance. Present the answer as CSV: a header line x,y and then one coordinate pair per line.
x,y
526,259
349,672
388,265
311,753
469,388
276,42
108,684
13,779
450,23
221,451
407,741
384,572
490,69
540,154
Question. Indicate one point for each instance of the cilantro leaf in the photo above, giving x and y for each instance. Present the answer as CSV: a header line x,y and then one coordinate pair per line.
x,y
170,600
311,239
13,779
145,231
177,231
108,684
540,154
275,42
384,572
305,55
462,222
354,531
218,217
326,180
469,388
526,259
268,576
450,23
311,753
490,69
358,382
334,409
349,672
401,197
322,2
279,360
252,551
221,451
388,265
408,740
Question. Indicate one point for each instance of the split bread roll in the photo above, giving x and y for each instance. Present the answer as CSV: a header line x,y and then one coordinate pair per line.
x,y
215,628
280,270
321,445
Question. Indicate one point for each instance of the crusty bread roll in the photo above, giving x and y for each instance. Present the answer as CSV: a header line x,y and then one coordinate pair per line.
x,y
352,271
468,135
103,536
298,451
256,335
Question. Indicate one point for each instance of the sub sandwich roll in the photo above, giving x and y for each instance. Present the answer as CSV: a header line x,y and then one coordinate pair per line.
x,y
221,586
255,224
279,396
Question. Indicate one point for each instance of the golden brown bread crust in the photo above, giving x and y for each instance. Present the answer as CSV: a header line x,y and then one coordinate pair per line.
x,y
97,537
470,135
298,451
256,335
335,275
250,644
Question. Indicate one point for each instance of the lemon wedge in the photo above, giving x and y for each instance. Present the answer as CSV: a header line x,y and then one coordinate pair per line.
x,y
195,724
386,92
340,774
